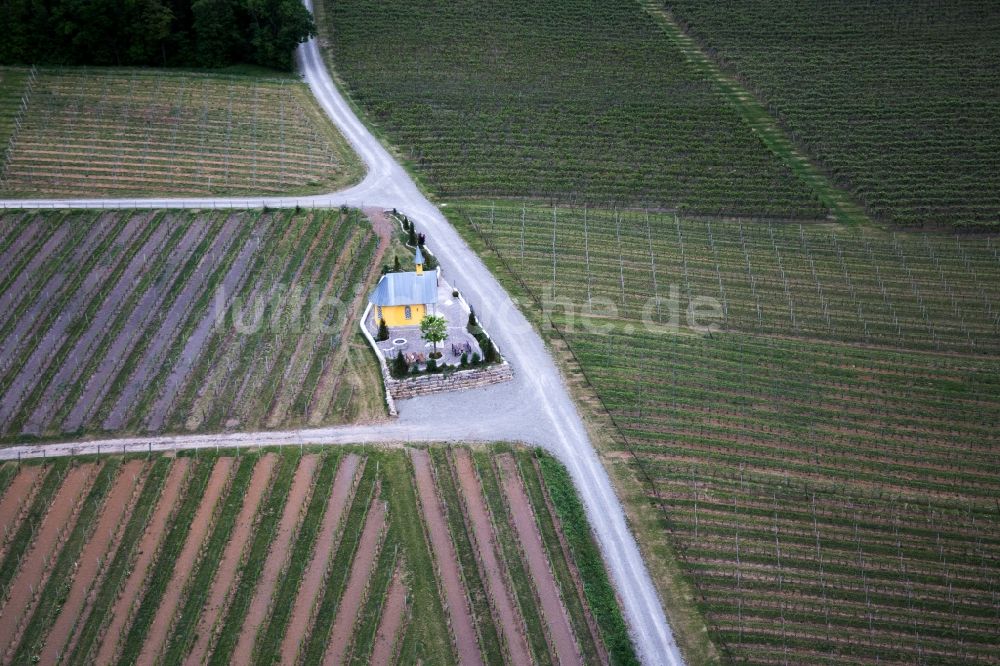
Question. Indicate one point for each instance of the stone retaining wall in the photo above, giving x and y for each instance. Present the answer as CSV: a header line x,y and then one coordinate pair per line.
x,y
412,387
398,389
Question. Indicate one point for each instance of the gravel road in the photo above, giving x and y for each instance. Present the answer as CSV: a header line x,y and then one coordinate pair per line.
x,y
535,408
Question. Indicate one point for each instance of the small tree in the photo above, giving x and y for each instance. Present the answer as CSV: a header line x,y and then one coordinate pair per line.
x,y
412,240
475,358
383,331
399,365
432,365
473,322
396,266
434,329
464,360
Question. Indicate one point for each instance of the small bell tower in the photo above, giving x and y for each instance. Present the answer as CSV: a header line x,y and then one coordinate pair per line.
x,y
418,259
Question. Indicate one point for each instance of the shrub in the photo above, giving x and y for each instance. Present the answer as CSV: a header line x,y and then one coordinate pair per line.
x,y
464,361
473,325
475,358
396,265
399,366
454,293
432,365
383,331
412,240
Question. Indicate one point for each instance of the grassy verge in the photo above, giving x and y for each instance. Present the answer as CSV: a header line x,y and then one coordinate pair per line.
x,y
120,566
269,640
597,587
507,541
489,641
560,567
7,473
58,585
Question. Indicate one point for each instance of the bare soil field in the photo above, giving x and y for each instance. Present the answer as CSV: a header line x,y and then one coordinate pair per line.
x,y
292,556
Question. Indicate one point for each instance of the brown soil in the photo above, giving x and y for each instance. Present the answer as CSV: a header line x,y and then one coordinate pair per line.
x,y
595,633
509,616
93,558
18,495
186,561
357,582
447,561
22,593
260,607
148,546
393,612
312,580
523,518
232,556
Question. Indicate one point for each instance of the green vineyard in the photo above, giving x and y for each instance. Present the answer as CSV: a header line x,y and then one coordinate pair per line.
x,y
825,458
133,133
897,100
582,101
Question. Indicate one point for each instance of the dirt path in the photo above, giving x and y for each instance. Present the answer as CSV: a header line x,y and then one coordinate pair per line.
x,y
30,577
232,556
260,606
19,493
121,614
186,561
511,622
393,612
357,581
311,586
93,558
456,601
553,610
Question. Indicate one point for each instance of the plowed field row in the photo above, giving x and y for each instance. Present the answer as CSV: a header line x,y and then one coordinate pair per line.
x,y
318,555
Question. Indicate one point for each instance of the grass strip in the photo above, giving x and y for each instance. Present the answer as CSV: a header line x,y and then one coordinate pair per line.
x,y
596,585
269,642
489,641
201,582
340,567
119,568
270,514
58,585
162,571
26,532
7,473
366,628
507,542
427,638
554,551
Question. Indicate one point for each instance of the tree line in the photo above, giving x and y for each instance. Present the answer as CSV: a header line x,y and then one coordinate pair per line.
x,y
160,33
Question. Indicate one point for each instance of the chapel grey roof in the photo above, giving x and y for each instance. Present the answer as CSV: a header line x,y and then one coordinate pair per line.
x,y
405,289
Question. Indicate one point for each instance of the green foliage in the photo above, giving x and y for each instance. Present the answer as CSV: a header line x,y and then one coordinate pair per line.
x,y
464,361
432,365
383,331
434,329
597,587
411,238
400,368
896,99
585,99
202,33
